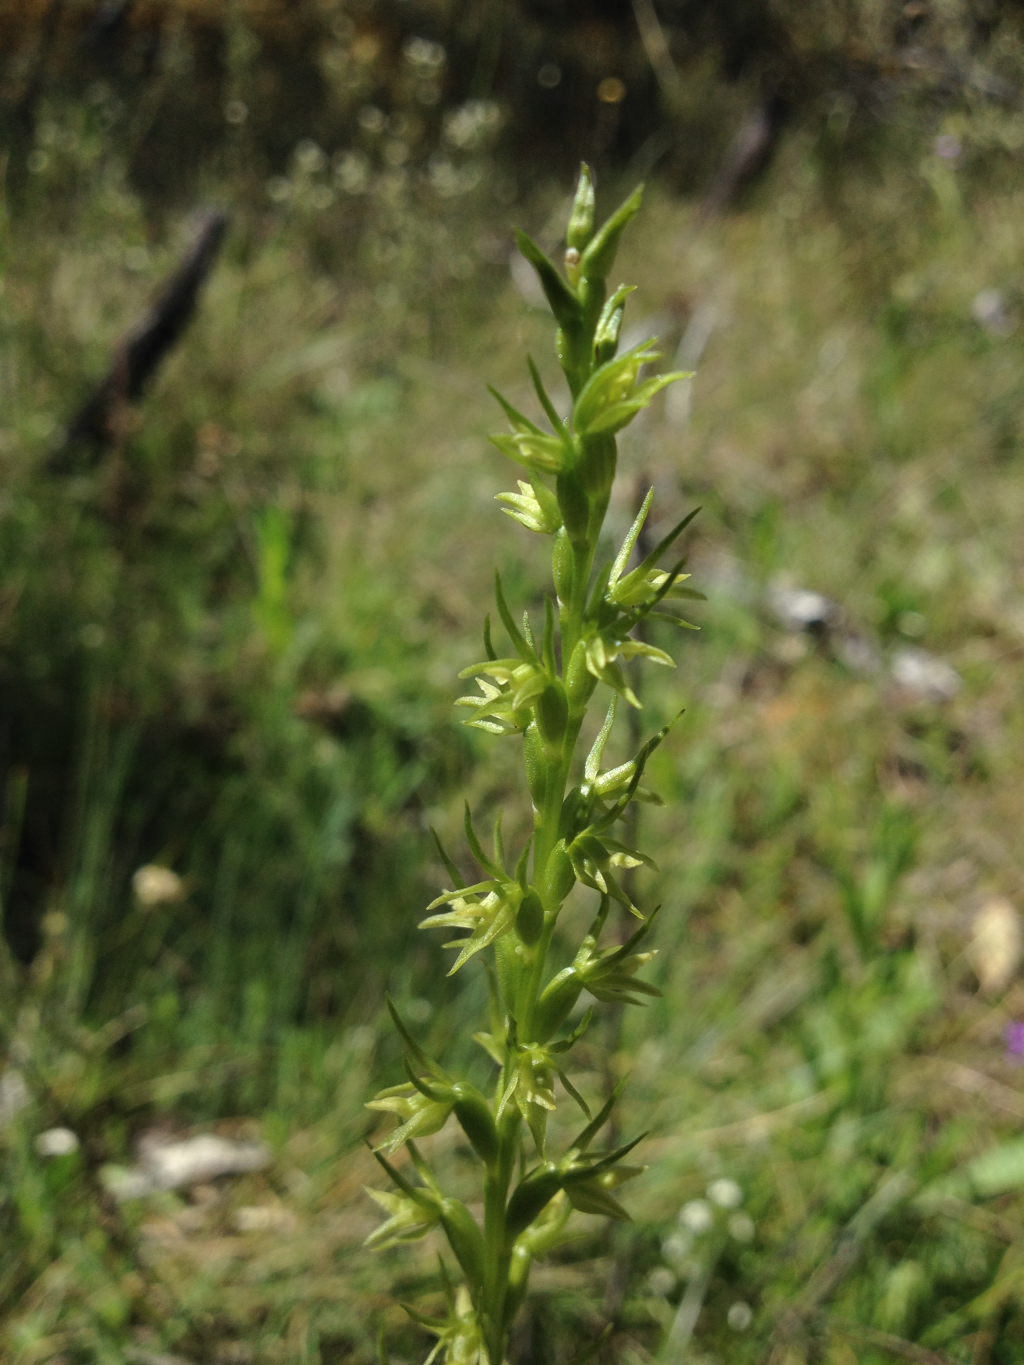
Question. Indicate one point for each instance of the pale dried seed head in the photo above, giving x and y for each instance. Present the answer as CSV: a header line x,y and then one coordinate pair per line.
x,y
997,945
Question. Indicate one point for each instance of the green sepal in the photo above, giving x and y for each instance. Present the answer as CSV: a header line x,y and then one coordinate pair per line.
x,y
597,592
450,867
612,385
517,421
519,644
542,396
540,453
408,1220
599,256
423,1197
639,574
428,1116
583,1140
426,1062
561,298
430,1092
638,765
580,230
632,535
593,764
534,507
618,415
589,1197
571,1090
565,1044
475,847
499,843
578,1174
609,324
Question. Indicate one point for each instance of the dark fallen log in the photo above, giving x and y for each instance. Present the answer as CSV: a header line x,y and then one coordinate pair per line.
x,y
95,425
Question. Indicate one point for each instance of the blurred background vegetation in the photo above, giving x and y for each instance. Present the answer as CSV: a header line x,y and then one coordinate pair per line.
x,y
234,599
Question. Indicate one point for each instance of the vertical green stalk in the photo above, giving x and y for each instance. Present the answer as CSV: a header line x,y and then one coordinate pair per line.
x,y
542,691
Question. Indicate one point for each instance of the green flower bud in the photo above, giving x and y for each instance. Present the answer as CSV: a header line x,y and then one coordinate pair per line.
x,y
610,385
534,507
507,964
606,338
536,763
530,920
572,346
579,681
423,1115
552,715
581,218
556,1003
574,506
474,1114
464,1238
563,565
597,467
599,256
408,1221
533,1193
559,875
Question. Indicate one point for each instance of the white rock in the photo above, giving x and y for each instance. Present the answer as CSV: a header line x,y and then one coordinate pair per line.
x,y
661,1281
997,945
170,1165
725,1193
57,1142
799,609
741,1227
155,885
196,1160
123,1182
696,1215
988,307
930,678
740,1316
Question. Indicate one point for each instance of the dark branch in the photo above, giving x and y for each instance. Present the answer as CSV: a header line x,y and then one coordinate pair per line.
x,y
139,356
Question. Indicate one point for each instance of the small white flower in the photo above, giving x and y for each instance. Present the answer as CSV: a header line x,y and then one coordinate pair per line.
x,y
741,1227
661,1282
740,1316
56,1142
155,885
677,1248
697,1215
725,1193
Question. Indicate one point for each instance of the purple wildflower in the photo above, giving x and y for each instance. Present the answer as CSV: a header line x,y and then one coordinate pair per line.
x,y
1014,1035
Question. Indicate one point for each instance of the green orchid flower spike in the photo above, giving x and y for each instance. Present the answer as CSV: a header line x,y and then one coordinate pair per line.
x,y
541,688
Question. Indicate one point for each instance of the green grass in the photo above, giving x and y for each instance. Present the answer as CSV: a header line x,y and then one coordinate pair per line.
x,y
286,519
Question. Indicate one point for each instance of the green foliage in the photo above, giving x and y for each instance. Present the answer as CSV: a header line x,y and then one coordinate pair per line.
x,y
542,693
819,1040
